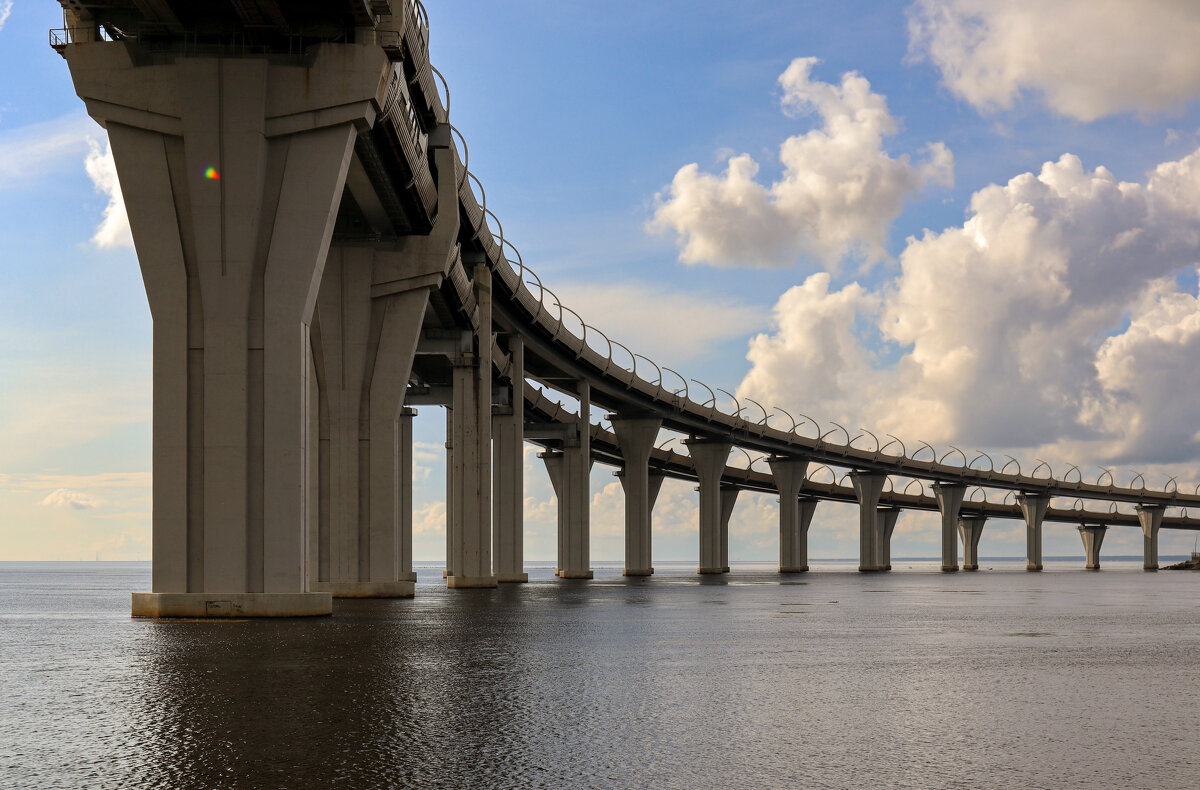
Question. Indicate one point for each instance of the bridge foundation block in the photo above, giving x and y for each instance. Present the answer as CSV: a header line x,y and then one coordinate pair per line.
x,y
635,436
232,171
1092,536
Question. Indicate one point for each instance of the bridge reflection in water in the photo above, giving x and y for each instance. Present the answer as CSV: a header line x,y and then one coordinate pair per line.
x,y
345,268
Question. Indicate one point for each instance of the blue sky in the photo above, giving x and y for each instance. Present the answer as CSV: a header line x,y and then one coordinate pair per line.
x,y
578,121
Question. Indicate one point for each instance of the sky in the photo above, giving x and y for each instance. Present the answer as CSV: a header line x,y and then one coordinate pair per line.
x,y
954,221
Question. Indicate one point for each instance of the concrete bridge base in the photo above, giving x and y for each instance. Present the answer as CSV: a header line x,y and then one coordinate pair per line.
x,y
1033,508
308,604
970,528
392,589
949,498
1093,536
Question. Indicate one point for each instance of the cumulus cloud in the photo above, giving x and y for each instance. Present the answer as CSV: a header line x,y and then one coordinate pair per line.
x,y
43,149
1084,58
1010,331
113,230
837,196
75,500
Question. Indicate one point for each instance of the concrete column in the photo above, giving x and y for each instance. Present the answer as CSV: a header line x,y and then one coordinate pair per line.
x,y
1033,508
636,435
508,476
404,428
570,477
789,478
231,267
471,474
867,487
449,569
886,524
949,498
708,458
970,528
554,461
729,495
1093,536
1151,517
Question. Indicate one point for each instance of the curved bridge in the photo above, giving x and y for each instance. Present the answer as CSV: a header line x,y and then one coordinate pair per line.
x,y
319,259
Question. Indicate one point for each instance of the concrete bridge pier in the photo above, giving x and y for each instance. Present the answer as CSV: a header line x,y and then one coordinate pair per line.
x,y
232,171
570,473
470,502
709,457
729,495
1151,517
1033,508
789,478
886,525
949,498
636,435
508,474
868,486
1093,536
970,528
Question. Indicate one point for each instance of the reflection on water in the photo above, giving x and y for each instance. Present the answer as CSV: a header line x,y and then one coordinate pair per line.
x,y
833,679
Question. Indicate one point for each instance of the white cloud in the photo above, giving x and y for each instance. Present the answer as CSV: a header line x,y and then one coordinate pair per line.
x,y
1084,58
664,323
1006,332
43,149
838,195
430,520
76,500
5,11
113,230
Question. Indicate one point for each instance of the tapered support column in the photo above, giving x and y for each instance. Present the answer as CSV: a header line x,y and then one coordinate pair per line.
x,y
1093,536
793,538
970,528
572,491
1151,517
949,498
867,487
886,525
231,266
508,475
636,435
729,495
708,458
1033,508
404,428
449,569
471,485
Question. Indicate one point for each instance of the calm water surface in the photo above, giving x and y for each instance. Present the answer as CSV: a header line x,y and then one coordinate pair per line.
x,y
1063,679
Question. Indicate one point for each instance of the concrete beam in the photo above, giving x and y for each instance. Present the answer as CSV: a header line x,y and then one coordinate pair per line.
x,y
867,487
635,436
949,499
1033,508
970,528
708,458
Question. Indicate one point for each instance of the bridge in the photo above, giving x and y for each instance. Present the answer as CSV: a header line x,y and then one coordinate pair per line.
x,y
319,260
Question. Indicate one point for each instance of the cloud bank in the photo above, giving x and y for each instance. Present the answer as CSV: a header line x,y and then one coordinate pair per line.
x,y
838,194
1084,58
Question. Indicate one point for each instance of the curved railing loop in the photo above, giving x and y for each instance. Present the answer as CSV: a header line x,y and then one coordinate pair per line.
x,y
1009,462
766,416
1007,494
632,356
836,427
683,381
738,414
1078,476
951,452
977,490
791,430
920,485
1174,483
925,446
864,432
1077,505
711,402
487,212
657,382
466,155
1041,463
482,193
895,440
816,425
1106,472
991,463
445,87
812,476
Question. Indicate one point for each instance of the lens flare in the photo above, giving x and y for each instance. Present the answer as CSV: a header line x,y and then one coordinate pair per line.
x,y
212,174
